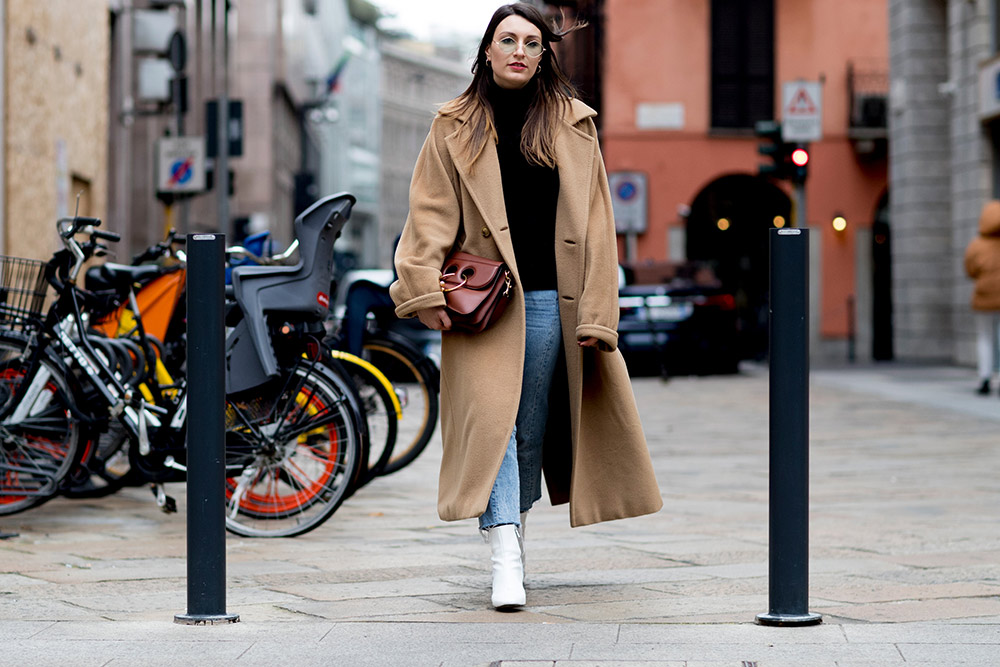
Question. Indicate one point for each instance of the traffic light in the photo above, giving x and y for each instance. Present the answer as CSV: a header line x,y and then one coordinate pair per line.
x,y
800,164
210,180
773,147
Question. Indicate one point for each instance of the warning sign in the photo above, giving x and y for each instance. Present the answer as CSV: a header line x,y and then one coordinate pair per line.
x,y
801,111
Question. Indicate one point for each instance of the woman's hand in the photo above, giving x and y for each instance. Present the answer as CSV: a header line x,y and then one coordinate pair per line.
x,y
589,342
435,318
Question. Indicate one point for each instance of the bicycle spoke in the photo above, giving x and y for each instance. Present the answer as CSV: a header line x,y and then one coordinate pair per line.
x,y
306,456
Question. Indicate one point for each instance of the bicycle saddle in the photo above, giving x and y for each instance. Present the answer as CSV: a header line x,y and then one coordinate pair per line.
x,y
110,276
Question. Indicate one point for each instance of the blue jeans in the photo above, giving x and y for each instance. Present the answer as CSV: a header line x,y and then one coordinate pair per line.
x,y
519,482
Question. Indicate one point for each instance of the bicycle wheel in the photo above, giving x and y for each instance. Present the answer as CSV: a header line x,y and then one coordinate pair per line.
x,y
381,407
415,380
41,448
298,451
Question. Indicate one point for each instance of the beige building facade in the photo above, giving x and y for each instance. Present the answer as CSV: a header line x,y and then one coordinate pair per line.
x,y
55,59
415,82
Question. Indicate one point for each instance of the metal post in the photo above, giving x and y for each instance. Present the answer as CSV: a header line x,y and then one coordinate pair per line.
x,y
852,333
799,217
788,569
206,430
632,246
222,94
185,201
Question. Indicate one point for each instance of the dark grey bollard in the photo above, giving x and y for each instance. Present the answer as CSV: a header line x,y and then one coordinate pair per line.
x,y
788,563
206,432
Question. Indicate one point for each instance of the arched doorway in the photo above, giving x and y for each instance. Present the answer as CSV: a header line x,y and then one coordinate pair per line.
x,y
728,228
882,349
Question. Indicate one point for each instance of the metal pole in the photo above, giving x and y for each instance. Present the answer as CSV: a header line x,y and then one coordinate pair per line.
x,y
788,567
631,246
3,133
206,431
799,197
185,202
222,155
851,330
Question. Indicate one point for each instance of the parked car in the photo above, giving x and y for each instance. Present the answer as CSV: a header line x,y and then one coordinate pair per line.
x,y
677,321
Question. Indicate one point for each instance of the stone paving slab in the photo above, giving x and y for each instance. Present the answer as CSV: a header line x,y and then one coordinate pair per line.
x,y
905,554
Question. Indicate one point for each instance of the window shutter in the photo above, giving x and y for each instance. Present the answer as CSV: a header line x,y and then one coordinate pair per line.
x,y
742,62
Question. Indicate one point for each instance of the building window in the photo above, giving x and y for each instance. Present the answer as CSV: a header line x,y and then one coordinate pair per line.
x,y
742,62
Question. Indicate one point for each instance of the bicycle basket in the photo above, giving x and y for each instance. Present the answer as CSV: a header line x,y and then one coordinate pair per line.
x,y
22,290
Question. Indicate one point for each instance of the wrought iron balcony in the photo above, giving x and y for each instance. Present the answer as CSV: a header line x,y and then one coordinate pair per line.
x,y
868,97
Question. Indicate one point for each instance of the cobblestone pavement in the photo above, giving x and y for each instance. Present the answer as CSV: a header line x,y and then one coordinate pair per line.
x,y
904,549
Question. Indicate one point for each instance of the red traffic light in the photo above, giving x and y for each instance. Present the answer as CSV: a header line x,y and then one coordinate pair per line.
x,y
800,157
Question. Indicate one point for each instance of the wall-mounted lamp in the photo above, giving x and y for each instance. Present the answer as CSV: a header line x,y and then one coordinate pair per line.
x,y
839,223
722,224
779,221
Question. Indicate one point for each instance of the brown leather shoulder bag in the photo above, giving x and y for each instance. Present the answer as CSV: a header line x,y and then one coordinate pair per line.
x,y
476,290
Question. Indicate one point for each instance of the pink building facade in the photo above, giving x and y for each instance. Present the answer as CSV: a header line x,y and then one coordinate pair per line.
x,y
683,83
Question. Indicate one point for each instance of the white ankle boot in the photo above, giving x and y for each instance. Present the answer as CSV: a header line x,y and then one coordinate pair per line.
x,y
508,575
520,540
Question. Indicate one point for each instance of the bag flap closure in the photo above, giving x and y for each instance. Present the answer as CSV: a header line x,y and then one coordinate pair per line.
x,y
478,272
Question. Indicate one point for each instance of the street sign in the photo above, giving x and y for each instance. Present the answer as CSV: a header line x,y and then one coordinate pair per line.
x,y
628,200
180,164
801,111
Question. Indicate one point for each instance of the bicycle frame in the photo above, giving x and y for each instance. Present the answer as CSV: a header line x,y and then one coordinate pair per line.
x,y
64,319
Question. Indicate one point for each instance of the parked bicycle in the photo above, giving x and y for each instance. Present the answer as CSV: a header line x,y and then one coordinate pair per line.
x,y
294,447
370,323
393,376
379,401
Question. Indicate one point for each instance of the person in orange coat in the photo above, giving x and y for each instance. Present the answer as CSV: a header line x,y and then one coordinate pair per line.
x,y
982,263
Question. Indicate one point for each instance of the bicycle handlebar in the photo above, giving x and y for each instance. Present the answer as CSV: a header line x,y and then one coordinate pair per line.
x,y
106,236
161,249
279,259
68,228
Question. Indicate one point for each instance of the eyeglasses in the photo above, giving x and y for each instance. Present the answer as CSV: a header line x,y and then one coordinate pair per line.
x,y
532,49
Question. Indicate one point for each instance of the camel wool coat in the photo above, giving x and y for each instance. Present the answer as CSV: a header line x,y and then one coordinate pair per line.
x,y
595,455
982,260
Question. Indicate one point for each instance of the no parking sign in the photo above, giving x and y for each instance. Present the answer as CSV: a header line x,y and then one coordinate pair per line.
x,y
180,164
628,199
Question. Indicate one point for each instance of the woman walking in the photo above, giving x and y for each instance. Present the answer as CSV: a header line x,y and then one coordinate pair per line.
x,y
512,170
982,264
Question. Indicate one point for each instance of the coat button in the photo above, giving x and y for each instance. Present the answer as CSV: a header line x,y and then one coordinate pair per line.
x,y
486,233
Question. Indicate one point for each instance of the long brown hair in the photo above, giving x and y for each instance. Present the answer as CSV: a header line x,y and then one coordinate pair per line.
x,y
553,90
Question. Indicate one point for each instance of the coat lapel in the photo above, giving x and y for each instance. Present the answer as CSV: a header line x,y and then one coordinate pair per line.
x,y
483,182
575,157
575,153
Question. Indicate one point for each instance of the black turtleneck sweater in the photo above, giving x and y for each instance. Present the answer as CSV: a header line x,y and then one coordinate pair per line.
x,y
530,191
